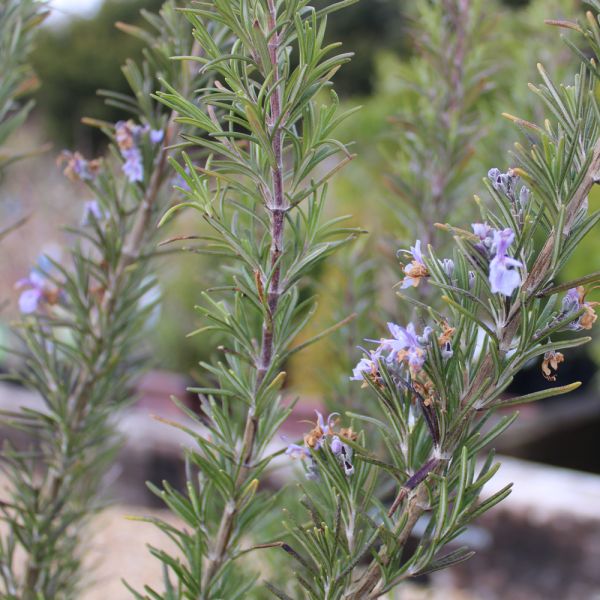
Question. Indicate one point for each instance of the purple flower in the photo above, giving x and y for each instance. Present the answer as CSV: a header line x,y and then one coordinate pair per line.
x,y
343,452
366,366
128,136
416,269
573,302
132,167
504,277
416,252
92,210
486,237
570,303
482,230
406,345
503,182
156,136
38,289
336,445
326,428
296,451
29,300
471,276
448,266
77,168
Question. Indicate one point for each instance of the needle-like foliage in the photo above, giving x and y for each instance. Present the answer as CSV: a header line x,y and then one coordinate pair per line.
x,y
18,22
268,122
85,317
438,383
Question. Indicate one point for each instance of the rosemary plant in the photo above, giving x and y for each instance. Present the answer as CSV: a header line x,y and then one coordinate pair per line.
x,y
84,319
18,21
438,383
268,122
446,95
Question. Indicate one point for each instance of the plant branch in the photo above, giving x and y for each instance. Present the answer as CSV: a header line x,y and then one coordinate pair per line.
x,y
275,203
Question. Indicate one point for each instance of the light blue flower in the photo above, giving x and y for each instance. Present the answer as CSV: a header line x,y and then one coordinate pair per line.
x,y
29,300
406,345
37,289
132,167
504,276
297,451
156,136
416,269
574,301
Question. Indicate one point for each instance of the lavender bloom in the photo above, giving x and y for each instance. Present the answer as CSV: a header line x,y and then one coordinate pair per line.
x,y
77,168
343,452
471,275
406,345
156,136
448,266
92,210
447,351
296,451
524,196
495,176
132,167
504,278
416,252
416,270
482,230
38,290
336,445
128,136
573,302
485,234
570,303
29,300
503,182
366,366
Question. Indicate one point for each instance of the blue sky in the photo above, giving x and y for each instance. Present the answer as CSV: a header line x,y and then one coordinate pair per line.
x,y
63,9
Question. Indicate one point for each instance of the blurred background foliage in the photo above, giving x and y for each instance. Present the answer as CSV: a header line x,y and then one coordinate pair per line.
x,y
75,58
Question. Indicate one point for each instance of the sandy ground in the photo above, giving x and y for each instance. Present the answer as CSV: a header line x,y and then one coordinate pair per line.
x,y
119,551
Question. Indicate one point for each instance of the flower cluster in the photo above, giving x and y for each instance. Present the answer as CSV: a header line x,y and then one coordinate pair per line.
x,y
405,347
128,136
508,184
321,435
77,168
38,289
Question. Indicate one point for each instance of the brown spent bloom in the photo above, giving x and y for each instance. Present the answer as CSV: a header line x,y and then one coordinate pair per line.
x,y
349,433
415,271
447,334
550,364
77,168
588,318
426,390
124,134
313,437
